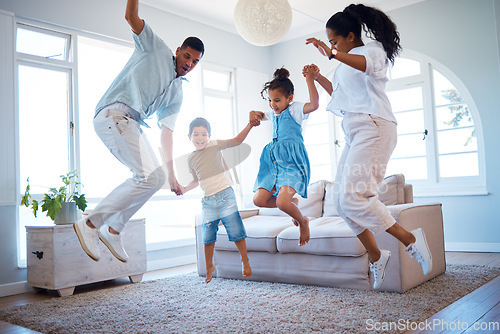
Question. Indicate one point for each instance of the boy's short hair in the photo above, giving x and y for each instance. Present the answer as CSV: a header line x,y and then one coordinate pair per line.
x,y
194,43
199,121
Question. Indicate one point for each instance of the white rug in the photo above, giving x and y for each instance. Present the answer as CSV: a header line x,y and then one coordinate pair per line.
x,y
185,304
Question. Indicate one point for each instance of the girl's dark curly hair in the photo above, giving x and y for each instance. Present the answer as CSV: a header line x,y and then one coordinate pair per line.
x,y
375,22
280,81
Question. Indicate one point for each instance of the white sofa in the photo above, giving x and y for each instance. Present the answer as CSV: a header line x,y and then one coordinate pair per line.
x,y
334,256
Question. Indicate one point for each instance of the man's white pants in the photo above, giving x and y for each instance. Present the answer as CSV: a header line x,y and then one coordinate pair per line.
x,y
370,141
124,138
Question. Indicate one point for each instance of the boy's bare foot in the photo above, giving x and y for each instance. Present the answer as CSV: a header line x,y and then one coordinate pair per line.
x,y
296,202
304,233
210,271
247,271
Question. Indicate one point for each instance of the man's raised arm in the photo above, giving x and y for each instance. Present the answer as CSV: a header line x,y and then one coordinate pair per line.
x,y
132,16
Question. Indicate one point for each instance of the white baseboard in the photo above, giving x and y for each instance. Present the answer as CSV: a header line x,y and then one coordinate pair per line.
x,y
171,262
14,288
482,247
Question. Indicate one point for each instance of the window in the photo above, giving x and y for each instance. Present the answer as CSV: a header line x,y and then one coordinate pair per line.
x,y
324,139
439,140
439,146
219,100
99,62
45,103
319,135
456,132
43,43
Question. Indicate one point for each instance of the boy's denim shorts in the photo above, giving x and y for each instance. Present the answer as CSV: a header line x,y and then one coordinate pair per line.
x,y
221,207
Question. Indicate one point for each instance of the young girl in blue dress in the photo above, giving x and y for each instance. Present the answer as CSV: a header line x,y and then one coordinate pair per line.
x,y
284,165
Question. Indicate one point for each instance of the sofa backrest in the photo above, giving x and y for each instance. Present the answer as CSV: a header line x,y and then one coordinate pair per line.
x,y
319,202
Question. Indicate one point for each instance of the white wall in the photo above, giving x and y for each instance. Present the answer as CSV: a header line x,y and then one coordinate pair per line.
x,y
7,149
464,36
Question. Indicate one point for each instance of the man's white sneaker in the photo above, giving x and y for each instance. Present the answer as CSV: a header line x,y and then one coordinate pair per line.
x,y
88,238
378,268
113,242
420,251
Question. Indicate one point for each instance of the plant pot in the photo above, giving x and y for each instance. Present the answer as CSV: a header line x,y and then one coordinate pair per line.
x,y
67,215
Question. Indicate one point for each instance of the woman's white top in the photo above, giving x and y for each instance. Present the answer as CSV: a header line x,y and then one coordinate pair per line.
x,y
362,92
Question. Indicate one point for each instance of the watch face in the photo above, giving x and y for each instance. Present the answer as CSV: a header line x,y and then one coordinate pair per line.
x,y
334,52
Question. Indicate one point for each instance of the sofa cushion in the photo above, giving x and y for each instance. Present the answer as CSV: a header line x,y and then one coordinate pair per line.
x,y
391,191
329,236
312,206
261,233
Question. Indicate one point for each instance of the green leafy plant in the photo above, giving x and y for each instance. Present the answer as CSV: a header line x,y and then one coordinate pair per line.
x,y
51,202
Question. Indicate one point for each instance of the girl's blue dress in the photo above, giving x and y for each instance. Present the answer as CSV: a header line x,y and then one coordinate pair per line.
x,y
284,161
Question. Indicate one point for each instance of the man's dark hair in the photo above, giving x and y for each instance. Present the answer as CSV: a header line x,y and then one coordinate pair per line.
x,y
194,43
199,121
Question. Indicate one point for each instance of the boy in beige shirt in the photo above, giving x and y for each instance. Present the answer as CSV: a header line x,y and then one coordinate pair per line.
x,y
209,170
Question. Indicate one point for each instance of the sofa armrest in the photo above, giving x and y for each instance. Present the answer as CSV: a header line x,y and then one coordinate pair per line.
x,y
408,193
200,251
397,210
403,272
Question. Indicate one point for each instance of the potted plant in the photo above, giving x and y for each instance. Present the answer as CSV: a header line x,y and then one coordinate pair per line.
x,y
59,203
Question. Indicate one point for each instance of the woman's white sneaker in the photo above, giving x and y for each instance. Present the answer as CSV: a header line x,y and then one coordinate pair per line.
x,y
88,238
419,250
378,268
113,242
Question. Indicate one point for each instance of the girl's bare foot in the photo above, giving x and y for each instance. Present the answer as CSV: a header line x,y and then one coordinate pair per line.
x,y
296,202
304,232
210,271
247,271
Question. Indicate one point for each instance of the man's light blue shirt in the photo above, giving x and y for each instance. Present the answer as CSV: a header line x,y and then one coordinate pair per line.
x,y
148,82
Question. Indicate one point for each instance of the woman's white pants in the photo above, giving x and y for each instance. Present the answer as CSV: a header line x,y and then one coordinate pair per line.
x,y
370,141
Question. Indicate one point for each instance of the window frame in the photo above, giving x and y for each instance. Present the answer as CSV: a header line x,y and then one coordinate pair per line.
x,y
67,66
46,30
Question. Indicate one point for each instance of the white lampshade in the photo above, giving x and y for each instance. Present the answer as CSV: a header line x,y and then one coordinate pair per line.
x,y
262,22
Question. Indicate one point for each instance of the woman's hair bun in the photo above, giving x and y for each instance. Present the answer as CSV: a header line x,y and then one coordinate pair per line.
x,y
281,74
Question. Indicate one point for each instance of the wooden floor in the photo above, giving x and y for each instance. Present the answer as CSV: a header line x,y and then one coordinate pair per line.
x,y
479,309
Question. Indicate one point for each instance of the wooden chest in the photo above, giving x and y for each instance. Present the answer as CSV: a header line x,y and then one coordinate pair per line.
x,y
56,260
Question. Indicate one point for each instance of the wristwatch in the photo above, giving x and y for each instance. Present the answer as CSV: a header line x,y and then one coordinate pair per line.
x,y
334,52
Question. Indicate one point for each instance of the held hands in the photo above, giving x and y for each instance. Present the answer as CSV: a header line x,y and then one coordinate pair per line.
x,y
174,185
310,71
320,45
256,117
183,190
